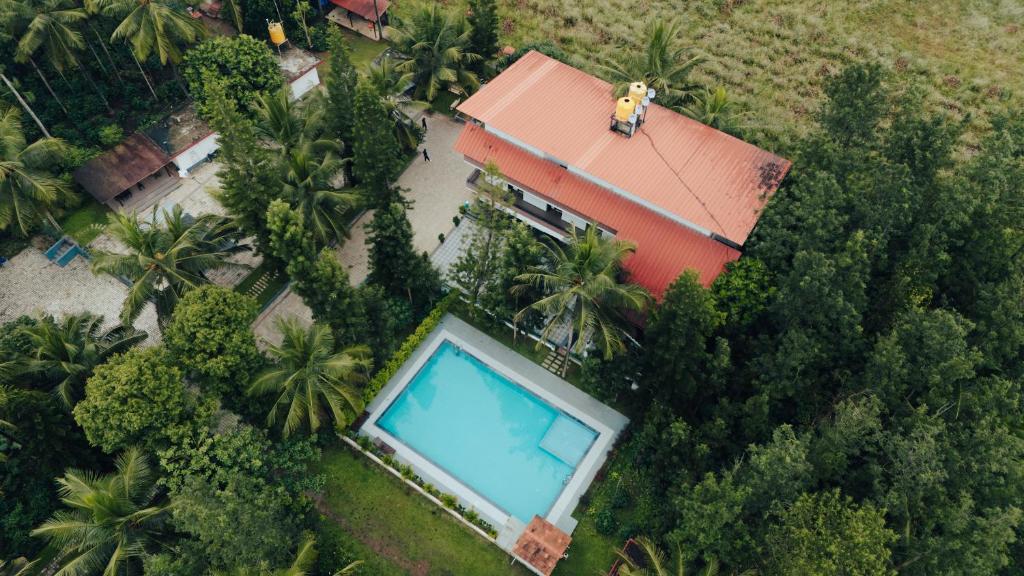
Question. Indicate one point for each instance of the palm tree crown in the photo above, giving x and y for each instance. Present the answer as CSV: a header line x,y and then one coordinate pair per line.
x,y
285,122
166,259
151,26
664,64
389,82
311,379
435,40
28,188
111,518
581,287
53,31
68,352
309,183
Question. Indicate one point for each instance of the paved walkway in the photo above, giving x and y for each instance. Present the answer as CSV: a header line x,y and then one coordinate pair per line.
x,y
32,285
436,188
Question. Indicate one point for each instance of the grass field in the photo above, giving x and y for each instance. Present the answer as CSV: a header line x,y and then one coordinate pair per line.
x,y
85,223
405,532
772,55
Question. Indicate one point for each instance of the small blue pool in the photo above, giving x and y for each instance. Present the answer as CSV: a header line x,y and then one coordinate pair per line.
x,y
501,441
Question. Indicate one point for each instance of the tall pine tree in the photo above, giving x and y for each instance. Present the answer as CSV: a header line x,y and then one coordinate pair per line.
x,y
478,265
317,277
483,39
340,82
394,264
248,175
376,154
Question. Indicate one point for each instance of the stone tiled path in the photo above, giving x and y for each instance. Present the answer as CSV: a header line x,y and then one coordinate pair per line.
x,y
31,285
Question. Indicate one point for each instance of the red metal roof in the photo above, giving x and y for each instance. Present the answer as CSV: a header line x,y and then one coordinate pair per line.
x,y
664,248
672,164
363,7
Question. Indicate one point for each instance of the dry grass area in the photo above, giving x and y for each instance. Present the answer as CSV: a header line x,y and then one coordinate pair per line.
x,y
772,55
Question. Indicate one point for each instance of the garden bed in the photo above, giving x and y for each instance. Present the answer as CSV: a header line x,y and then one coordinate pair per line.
x,y
264,283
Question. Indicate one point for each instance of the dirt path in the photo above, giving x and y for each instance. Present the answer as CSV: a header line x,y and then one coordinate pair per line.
x,y
382,547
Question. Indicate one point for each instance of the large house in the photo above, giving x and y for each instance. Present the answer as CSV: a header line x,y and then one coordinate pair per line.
x,y
686,194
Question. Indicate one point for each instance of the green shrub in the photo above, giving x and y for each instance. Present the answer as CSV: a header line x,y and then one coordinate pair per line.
x,y
408,347
110,135
242,63
449,501
318,35
606,522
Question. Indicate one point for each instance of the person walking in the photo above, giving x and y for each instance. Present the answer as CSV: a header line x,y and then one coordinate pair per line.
x,y
426,157
423,120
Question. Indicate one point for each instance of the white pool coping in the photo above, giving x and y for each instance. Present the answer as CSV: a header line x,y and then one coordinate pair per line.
x,y
557,392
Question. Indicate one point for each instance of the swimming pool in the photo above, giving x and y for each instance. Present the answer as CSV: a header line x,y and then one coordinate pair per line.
x,y
501,441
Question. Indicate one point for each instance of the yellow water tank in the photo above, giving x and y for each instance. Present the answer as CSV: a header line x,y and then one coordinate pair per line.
x,y
623,108
276,33
637,91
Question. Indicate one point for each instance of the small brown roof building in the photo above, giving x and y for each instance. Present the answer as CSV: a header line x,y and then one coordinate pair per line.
x,y
118,170
541,546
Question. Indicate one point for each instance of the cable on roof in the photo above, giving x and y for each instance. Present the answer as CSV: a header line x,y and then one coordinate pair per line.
x,y
680,178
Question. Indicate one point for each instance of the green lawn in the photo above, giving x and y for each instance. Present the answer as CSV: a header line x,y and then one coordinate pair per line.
x,y
364,50
85,223
590,552
404,531
443,103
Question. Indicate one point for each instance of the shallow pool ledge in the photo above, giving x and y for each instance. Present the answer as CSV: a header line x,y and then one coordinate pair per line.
x,y
522,371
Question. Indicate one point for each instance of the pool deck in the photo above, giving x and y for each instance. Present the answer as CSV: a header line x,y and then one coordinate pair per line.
x,y
564,396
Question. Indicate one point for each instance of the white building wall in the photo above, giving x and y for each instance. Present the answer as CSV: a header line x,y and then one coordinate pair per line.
x,y
307,81
535,200
195,154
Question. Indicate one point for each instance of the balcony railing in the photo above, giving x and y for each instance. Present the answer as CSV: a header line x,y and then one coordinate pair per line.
x,y
547,217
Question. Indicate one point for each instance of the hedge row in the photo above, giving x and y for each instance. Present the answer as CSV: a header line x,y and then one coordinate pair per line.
x,y
409,346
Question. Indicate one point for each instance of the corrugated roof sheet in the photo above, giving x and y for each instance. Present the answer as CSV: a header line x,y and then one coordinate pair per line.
x,y
671,164
122,167
665,248
363,7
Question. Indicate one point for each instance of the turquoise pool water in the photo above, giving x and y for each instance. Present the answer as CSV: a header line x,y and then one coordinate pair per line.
x,y
504,443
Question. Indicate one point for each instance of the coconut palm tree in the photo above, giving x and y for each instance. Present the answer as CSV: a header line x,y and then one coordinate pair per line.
x,y
16,16
151,27
286,123
17,567
713,107
654,563
28,188
581,289
664,64
67,353
435,42
309,184
304,558
111,520
53,30
312,379
168,255
390,82
7,429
